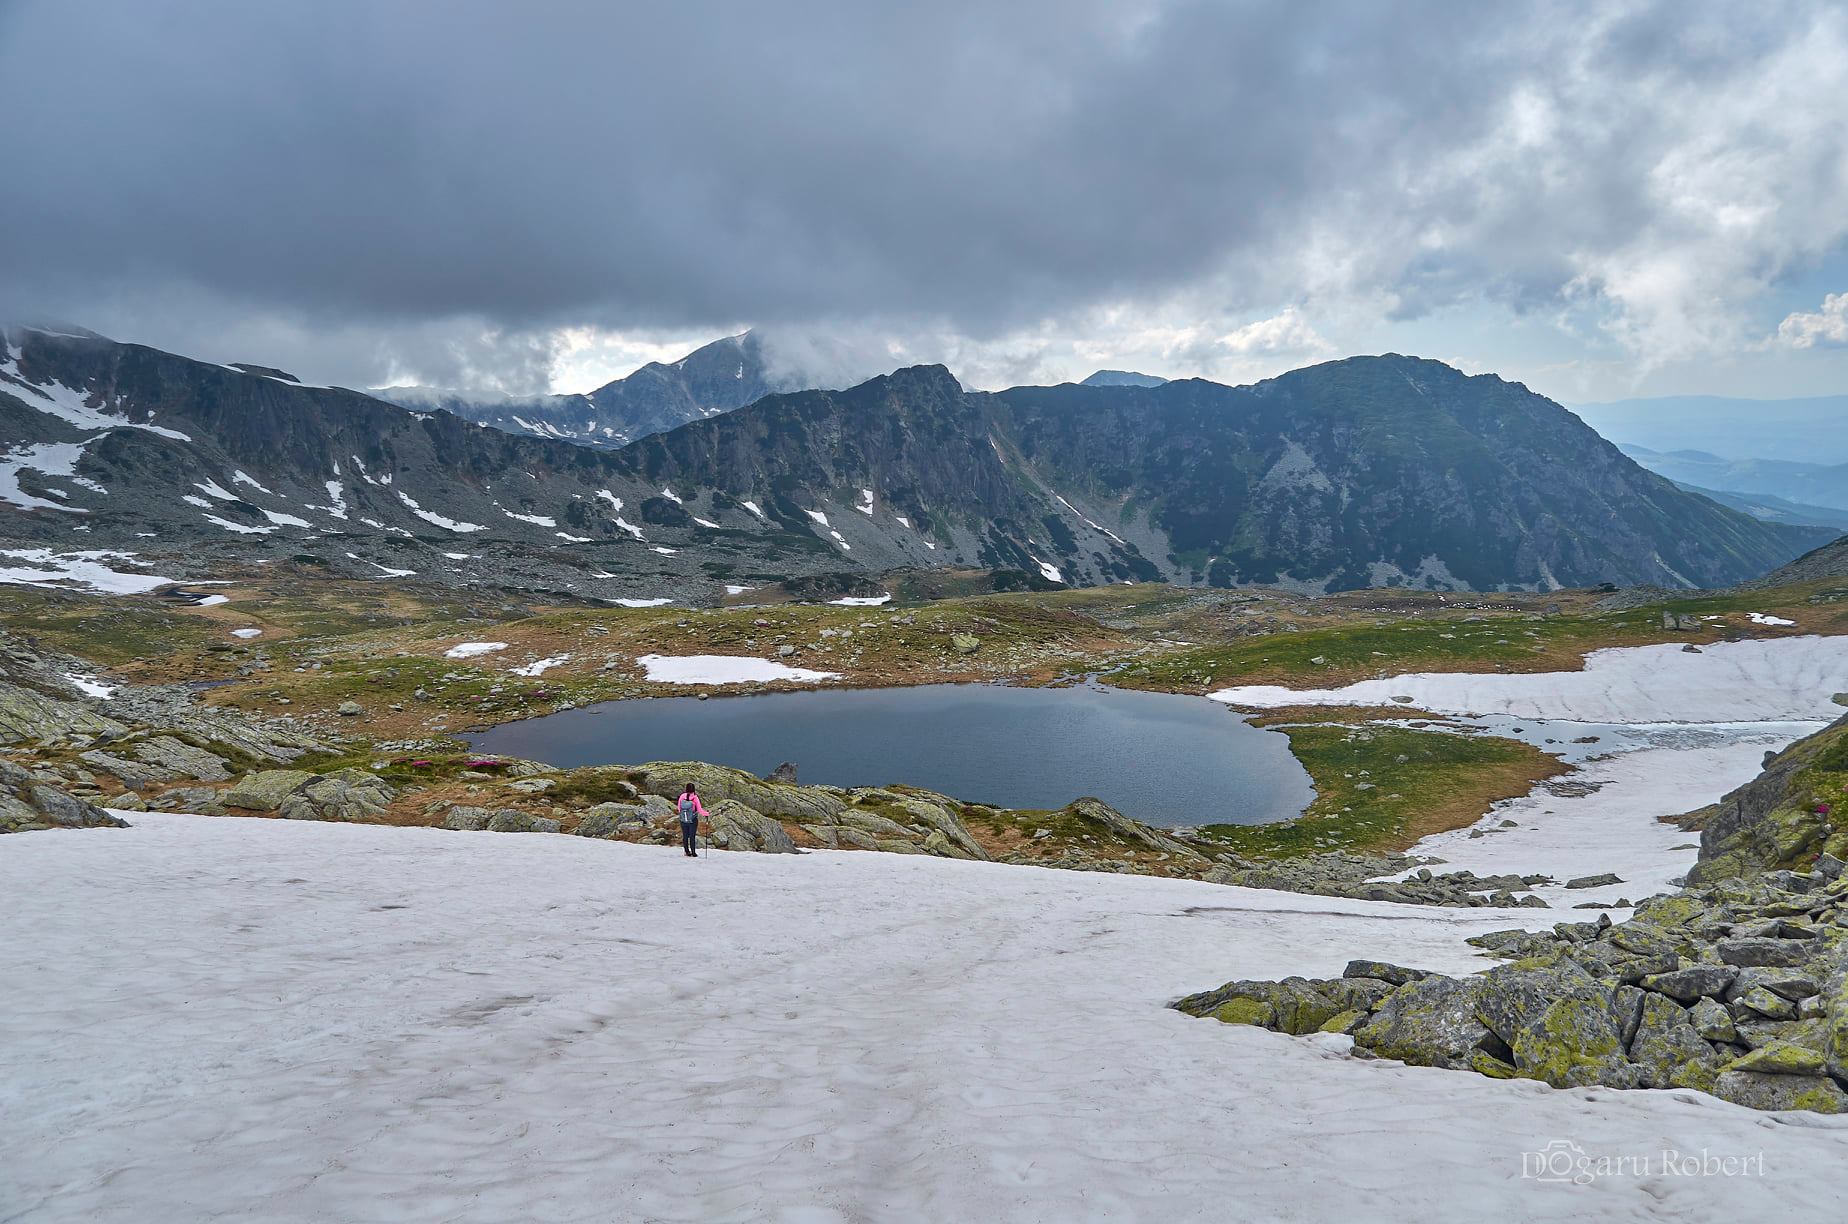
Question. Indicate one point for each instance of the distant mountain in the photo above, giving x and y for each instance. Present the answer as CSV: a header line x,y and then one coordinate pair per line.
x,y
1793,430
1371,471
1775,509
1122,378
573,418
718,377
1812,484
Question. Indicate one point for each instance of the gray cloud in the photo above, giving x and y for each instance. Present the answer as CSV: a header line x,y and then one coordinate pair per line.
x,y
429,190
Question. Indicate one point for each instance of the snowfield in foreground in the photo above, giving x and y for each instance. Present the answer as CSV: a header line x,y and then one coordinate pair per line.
x,y
294,1021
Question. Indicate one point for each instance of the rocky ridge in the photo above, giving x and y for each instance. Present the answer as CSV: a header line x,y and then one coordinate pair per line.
x,y
1737,985
1366,472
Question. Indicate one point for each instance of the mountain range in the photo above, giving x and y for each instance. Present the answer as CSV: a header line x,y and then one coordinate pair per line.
x,y
1792,482
1368,471
1807,430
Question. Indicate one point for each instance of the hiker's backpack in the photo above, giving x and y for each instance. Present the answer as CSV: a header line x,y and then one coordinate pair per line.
x,y
689,810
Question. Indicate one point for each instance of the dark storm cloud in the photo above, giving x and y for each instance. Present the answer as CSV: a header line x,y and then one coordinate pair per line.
x,y
346,166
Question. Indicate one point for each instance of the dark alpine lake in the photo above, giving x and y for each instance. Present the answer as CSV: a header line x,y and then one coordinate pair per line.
x,y
1160,758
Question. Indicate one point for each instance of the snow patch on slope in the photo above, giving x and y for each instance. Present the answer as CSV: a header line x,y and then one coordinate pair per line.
x,y
724,669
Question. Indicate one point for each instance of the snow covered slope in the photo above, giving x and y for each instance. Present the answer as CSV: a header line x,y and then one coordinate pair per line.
x,y
1757,681
218,1018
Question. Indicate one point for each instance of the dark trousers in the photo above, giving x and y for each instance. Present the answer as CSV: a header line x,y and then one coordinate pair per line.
x,y
689,837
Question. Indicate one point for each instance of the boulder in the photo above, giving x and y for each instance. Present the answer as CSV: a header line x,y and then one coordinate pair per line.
x,y
265,790
136,775
1560,1023
349,795
1294,1005
965,643
470,819
1777,1057
737,827
1782,953
1694,982
1766,1004
1393,975
182,759
608,820
1431,1022
1761,1090
784,773
1712,1021
1594,881
62,808
1667,1049
512,820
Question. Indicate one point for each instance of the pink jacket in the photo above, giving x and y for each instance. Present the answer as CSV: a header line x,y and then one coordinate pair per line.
x,y
697,805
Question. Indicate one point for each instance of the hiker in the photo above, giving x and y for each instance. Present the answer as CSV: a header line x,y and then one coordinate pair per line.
x,y
691,809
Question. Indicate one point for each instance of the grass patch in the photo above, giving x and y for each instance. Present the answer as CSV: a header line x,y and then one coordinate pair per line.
x,y
1383,788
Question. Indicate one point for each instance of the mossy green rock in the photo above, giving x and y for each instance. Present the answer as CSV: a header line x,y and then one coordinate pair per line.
x,y
1245,1011
1431,1022
1667,1050
734,826
1560,1023
1760,1090
512,820
1781,1058
265,790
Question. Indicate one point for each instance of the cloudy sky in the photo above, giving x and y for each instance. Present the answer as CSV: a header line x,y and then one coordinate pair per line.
x,y
1600,199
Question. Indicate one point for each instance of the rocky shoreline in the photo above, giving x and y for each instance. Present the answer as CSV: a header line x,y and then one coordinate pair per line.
x,y
158,747
1737,985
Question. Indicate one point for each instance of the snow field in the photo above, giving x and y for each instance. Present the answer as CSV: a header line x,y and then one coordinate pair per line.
x,y
296,1021
1756,681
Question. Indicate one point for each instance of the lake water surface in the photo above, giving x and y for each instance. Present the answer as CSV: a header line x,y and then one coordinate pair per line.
x,y
1160,758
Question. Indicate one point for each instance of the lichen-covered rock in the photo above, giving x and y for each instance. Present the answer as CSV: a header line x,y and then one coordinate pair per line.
x,y
1779,1057
136,775
1096,810
1431,1022
181,759
466,819
736,827
1380,971
1782,953
512,820
265,790
1712,1022
1761,1090
611,820
1561,1025
39,805
1294,1005
1694,982
1667,1050
349,795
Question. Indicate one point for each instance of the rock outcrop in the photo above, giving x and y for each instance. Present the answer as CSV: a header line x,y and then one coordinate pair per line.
x,y
31,801
1737,985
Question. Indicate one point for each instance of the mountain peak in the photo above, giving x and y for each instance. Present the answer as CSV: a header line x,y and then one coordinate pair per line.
x,y
1122,378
